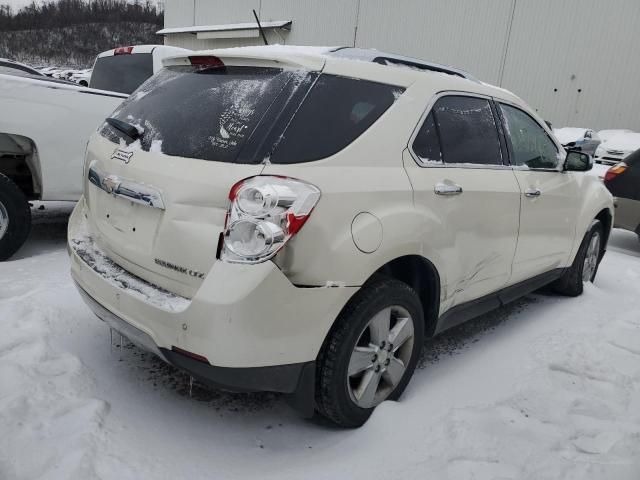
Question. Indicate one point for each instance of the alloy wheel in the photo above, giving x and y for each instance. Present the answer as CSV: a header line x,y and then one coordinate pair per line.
x,y
591,258
4,220
380,356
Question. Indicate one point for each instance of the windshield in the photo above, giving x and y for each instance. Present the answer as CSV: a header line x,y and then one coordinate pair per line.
x,y
122,73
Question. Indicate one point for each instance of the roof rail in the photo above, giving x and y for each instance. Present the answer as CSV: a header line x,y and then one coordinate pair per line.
x,y
383,58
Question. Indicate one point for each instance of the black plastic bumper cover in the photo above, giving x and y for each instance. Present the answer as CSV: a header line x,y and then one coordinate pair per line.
x,y
296,379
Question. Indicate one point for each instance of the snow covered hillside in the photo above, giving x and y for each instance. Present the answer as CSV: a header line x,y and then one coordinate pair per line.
x,y
547,388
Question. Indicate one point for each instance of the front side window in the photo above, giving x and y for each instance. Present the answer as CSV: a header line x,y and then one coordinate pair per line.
x,y
467,130
529,144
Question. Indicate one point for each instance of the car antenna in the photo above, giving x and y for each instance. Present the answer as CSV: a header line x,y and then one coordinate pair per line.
x,y
264,37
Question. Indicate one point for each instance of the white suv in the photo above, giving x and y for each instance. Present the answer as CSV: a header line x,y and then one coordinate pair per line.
x,y
299,220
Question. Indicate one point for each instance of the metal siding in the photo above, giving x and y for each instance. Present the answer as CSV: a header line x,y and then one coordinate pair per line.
x,y
577,44
216,12
327,22
528,46
178,13
468,34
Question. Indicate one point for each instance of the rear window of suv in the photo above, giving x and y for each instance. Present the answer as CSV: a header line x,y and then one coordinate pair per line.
x,y
121,73
251,114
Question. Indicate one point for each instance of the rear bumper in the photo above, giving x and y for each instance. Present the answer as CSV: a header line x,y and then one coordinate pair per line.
x,y
241,317
280,378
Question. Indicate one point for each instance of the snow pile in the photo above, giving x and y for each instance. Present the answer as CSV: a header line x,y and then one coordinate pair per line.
x,y
49,418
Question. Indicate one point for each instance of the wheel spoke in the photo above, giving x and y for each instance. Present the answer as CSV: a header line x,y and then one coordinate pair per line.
x,y
4,220
361,359
379,326
401,332
368,387
395,370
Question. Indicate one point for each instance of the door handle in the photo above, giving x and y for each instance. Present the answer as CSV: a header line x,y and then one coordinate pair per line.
x,y
532,192
447,189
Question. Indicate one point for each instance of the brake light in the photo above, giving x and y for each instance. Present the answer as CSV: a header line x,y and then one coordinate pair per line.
x,y
614,171
264,213
206,61
123,51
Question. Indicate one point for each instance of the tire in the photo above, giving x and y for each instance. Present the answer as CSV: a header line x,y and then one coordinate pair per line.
x,y
382,301
15,218
572,282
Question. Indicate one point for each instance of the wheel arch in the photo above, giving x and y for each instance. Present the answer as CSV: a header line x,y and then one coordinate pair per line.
x,y
606,217
423,277
20,162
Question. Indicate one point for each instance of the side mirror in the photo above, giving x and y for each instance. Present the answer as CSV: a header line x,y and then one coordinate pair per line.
x,y
578,162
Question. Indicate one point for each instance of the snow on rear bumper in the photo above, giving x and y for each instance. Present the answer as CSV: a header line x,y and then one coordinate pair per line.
x,y
242,316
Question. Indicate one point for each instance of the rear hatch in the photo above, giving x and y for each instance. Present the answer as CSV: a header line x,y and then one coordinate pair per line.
x,y
158,202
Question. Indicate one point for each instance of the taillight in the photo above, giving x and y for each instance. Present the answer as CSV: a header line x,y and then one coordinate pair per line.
x,y
614,171
123,51
265,212
206,61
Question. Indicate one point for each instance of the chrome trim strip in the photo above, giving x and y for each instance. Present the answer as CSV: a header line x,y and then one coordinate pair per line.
x,y
120,187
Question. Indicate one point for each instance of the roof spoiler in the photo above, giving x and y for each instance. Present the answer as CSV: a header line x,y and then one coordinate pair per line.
x,y
252,57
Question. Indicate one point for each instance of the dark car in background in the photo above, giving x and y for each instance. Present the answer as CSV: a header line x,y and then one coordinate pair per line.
x,y
623,181
16,68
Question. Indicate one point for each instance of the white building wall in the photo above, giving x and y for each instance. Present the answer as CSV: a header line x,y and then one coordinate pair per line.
x,y
586,49
468,34
543,50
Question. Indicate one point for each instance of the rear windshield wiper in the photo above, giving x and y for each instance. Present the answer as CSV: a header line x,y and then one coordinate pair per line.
x,y
129,130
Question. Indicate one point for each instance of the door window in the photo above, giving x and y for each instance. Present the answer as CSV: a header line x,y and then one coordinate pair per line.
x,y
529,143
459,130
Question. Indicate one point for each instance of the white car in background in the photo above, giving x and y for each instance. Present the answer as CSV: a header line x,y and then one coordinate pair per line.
x,y
124,69
616,146
82,77
586,139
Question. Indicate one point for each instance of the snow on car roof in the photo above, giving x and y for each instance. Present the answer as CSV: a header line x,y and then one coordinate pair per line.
x,y
570,134
624,140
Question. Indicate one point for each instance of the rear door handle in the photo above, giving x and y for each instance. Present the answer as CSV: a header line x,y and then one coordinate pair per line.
x,y
532,192
447,189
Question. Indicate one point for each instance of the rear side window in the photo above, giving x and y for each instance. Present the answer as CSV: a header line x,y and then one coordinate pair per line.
x,y
122,73
528,142
427,144
335,113
467,129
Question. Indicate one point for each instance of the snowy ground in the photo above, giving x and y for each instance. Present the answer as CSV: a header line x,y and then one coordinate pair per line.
x,y
548,388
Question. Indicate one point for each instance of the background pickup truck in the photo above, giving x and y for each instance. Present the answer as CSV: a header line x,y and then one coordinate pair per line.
x,y
44,128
